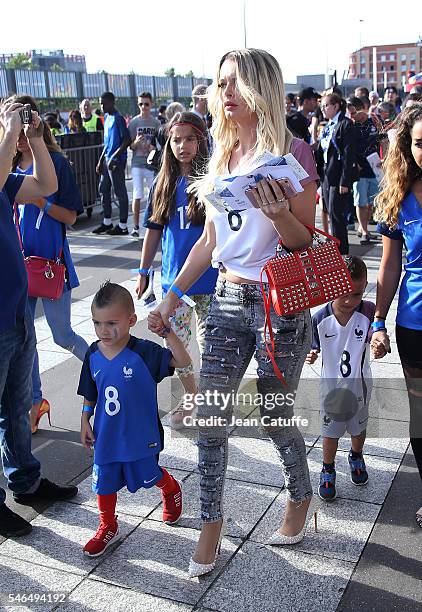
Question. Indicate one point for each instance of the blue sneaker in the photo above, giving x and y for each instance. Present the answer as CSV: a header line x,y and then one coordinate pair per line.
x,y
358,473
327,485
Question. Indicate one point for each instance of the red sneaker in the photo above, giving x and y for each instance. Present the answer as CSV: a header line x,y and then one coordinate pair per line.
x,y
172,504
105,536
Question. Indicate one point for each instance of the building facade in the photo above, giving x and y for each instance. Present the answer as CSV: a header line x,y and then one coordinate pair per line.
x,y
45,60
393,62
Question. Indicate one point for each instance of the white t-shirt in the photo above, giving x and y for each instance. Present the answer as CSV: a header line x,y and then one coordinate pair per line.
x,y
245,241
344,350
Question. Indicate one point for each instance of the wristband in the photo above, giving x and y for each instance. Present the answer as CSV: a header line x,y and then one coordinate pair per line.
x,y
378,326
182,296
144,271
47,207
86,408
177,291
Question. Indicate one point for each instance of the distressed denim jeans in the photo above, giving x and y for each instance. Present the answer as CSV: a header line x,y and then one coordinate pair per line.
x,y
234,333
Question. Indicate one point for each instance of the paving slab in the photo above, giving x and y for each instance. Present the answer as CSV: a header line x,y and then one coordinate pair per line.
x,y
20,577
381,471
254,460
97,595
388,575
155,559
342,528
59,536
240,517
380,447
278,580
139,504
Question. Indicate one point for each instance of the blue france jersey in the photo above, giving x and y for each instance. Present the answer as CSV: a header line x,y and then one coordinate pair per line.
x,y
409,231
126,423
178,237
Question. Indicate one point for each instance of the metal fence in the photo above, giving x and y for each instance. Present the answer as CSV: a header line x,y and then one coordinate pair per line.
x,y
56,85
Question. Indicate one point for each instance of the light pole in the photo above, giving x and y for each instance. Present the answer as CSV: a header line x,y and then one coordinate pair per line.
x,y
244,24
360,49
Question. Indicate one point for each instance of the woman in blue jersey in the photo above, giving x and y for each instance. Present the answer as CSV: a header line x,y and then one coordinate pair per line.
x,y
43,229
399,211
175,218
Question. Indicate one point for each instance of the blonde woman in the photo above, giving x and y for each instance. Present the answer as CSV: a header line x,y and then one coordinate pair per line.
x,y
399,210
247,104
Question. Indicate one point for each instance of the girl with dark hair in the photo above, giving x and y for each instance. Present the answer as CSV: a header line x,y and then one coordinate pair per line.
x,y
43,229
399,211
176,218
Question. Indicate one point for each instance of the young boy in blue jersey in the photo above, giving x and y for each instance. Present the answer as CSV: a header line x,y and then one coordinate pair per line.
x,y
119,379
341,332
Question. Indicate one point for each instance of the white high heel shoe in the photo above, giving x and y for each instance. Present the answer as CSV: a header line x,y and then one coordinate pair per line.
x,y
279,539
199,569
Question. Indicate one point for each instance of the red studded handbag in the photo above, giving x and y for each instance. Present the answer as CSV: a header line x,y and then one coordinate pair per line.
x,y
298,280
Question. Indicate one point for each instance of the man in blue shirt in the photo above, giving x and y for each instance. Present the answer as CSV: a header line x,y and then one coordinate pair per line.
x,y
17,333
111,166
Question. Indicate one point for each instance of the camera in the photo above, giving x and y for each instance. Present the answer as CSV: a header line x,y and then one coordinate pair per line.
x,y
26,114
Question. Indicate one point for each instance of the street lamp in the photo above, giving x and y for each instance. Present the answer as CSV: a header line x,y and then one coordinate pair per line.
x,y
244,24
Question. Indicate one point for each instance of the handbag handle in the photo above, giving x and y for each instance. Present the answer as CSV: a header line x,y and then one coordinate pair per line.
x,y
17,225
270,346
18,229
313,230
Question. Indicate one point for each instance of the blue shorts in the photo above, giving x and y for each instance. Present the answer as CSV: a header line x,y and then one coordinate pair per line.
x,y
111,477
364,191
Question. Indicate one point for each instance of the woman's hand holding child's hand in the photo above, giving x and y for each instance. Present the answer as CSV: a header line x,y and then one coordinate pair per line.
x,y
380,344
312,356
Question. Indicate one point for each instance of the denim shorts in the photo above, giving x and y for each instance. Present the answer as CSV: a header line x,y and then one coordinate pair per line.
x,y
235,333
364,191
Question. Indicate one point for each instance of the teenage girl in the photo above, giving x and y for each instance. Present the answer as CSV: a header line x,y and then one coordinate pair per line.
x,y
175,217
43,230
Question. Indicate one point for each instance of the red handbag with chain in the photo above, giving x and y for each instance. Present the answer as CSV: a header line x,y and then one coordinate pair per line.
x,y
299,280
45,276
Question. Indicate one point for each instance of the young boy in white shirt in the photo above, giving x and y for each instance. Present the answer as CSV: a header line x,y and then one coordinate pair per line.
x,y
341,333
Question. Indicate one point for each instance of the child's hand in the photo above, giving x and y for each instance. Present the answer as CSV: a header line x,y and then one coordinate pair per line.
x,y
380,344
378,351
87,435
312,356
156,324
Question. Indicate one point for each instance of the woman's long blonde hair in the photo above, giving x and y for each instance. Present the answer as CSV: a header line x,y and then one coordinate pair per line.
x,y
259,81
400,169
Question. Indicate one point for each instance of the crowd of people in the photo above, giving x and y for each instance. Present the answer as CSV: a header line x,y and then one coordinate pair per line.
x,y
211,266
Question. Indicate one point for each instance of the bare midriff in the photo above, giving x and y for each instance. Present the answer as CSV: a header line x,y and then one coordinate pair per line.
x,y
238,280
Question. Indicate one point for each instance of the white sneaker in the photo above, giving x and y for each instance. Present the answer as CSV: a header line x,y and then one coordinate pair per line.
x,y
135,232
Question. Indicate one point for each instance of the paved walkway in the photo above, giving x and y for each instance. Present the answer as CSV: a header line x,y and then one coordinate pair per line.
x,y
364,556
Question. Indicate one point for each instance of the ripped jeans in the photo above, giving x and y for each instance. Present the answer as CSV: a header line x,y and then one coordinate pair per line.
x,y
235,332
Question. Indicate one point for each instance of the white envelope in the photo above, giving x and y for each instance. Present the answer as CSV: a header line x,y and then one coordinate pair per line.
x,y
229,191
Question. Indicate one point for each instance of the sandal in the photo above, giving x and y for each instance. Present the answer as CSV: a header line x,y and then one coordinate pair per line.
x,y
418,517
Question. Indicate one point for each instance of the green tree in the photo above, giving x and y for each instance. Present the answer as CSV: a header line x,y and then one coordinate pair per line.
x,y
56,68
170,72
189,74
19,61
